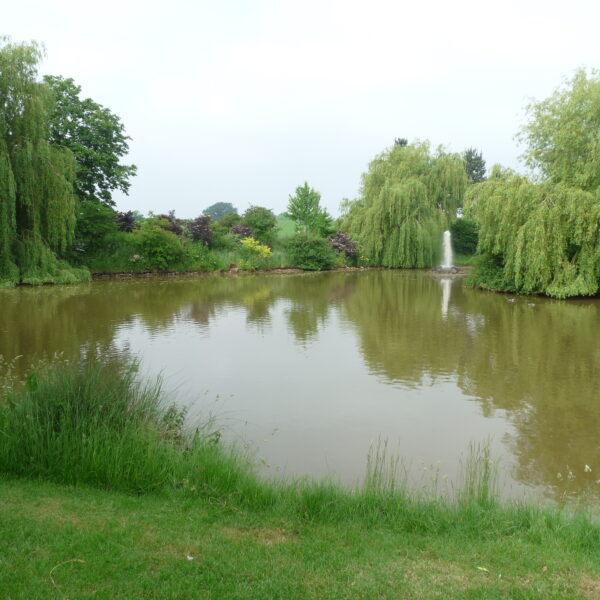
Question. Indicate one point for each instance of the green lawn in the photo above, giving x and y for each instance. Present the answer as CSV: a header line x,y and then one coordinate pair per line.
x,y
76,542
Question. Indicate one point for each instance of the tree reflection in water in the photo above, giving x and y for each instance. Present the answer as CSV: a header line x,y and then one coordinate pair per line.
x,y
536,362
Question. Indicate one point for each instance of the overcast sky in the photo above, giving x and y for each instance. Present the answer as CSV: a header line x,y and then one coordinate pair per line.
x,y
242,101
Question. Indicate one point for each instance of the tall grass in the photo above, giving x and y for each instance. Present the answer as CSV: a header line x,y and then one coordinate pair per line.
x,y
94,423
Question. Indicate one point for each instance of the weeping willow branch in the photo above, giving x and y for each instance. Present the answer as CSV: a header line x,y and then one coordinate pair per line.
x,y
537,238
37,202
408,198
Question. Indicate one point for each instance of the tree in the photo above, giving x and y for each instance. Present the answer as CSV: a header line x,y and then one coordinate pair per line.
x,y
229,220
408,197
261,221
401,142
96,137
218,210
474,165
304,208
563,134
37,204
544,238
536,238
95,221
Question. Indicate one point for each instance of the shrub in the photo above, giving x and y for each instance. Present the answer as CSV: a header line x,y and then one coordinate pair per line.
x,y
223,240
344,244
171,223
255,247
254,254
228,221
158,249
200,257
262,222
126,221
311,253
201,230
117,254
242,230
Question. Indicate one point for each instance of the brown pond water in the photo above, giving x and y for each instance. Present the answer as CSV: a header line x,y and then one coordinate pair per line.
x,y
311,370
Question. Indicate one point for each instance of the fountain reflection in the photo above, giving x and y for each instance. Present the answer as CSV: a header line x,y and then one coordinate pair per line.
x,y
446,284
536,365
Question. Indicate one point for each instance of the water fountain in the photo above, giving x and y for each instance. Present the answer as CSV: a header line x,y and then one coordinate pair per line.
x,y
447,247
447,268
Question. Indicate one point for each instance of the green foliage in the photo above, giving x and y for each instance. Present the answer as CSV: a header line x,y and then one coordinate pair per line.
x,y
545,238
563,133
95,221
96,137
539,239
465,235
474,165
408,198
157,248
222,240
39,265
219,210
312,253
199,257
304,208
228,221
37,204
116,254
262,221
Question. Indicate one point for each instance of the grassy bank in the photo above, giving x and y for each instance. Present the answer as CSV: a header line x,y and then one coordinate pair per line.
x,y
76,542
104,496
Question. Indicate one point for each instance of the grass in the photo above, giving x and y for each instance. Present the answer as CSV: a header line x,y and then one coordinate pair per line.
x,y
64,542
285,228
105,496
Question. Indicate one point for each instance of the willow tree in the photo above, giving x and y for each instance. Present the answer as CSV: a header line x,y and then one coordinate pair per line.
x,y
37,203
562,135
408,197
545,237
536,238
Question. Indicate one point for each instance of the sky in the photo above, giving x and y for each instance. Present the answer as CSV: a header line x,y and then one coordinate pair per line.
x,y
242,101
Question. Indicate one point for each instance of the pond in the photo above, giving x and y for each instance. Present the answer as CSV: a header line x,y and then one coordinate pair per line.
x,y
310,371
